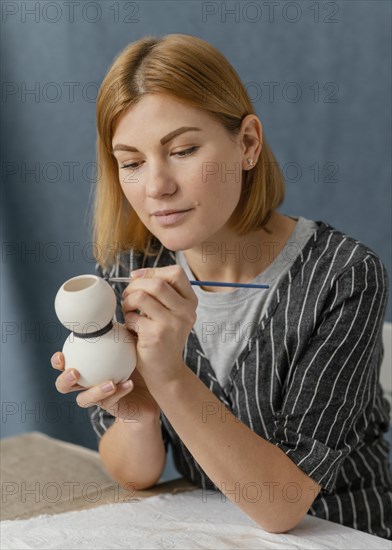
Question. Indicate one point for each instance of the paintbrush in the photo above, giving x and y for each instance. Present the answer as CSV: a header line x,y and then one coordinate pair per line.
x,y
198,283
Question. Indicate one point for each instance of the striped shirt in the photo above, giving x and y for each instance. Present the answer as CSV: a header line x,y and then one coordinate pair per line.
x,y
308,378
226,320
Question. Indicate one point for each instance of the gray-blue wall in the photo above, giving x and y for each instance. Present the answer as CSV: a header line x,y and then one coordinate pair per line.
x,y
319,75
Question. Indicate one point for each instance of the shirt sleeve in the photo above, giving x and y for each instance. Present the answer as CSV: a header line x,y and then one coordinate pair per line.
x,y
165,433
332,386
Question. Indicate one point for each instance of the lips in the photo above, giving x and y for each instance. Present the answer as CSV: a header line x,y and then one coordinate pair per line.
x,y
167,212
172,218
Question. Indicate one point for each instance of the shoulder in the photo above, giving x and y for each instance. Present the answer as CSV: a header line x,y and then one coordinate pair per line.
x,y
331,268
335,253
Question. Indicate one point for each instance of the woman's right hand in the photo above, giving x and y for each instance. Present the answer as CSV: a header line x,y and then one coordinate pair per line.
x,y
134,403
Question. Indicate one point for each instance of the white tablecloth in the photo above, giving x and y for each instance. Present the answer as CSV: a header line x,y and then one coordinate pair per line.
x,y
193,519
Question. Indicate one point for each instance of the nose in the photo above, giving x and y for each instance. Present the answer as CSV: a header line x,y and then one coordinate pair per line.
x,y
160,181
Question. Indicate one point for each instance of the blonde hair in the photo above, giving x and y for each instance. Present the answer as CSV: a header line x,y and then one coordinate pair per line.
x,y
197,74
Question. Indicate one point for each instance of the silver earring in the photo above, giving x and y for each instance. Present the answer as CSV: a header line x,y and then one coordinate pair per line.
x,y
250,161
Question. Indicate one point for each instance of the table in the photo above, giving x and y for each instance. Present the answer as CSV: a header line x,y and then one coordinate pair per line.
x,y
59,496
43,475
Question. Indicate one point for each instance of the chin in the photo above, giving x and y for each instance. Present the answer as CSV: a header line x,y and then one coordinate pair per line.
x,y
176,243
173,246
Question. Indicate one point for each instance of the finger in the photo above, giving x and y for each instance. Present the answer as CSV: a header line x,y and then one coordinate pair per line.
x,y
159,289
147,304
109,403
57,361
174,275
67,381
101,392
134,322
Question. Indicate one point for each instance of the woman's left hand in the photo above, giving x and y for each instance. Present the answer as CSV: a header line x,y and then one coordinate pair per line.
x,y
167,303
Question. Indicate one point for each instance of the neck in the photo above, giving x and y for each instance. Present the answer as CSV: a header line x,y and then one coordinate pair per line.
x,y
239,259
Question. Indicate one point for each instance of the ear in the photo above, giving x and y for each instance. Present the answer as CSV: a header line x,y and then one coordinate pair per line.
x,y
252,137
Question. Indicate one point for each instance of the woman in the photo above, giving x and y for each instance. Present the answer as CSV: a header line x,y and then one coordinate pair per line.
x,y
270,396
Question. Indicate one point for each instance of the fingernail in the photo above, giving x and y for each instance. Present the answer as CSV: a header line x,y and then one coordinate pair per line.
x,y
108,387
70,376
127,384
138,273
57,360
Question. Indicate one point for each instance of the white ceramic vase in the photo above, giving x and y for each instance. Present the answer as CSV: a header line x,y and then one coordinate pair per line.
x,y
98,347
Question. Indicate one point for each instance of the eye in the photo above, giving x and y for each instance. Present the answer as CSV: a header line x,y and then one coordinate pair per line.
x,y
129,166
186,152
133,166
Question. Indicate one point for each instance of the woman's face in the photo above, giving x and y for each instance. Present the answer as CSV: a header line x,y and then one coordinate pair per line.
x,y
196,170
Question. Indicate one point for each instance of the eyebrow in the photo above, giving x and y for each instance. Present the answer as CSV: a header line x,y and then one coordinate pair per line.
x,y
165,139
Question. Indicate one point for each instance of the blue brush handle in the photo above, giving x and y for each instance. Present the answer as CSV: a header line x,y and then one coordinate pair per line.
x,y
198,283
242,285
